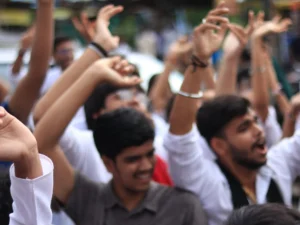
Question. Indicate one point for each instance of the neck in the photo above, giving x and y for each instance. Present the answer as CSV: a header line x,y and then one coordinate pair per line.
x,y
245,176
130,199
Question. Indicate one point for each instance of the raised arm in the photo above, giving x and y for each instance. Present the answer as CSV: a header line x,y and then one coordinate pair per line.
x,y
205,42
55,121
31,185
28,89
233,46
160,93
25,44
103,38
259,67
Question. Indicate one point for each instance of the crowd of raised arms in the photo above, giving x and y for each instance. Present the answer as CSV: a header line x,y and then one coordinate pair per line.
x,y
79,144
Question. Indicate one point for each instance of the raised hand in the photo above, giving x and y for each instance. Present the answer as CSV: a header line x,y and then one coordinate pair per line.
x,y
86,28
238,37
276,25
177,50
27,38
103,35
16,140
208,37
115,71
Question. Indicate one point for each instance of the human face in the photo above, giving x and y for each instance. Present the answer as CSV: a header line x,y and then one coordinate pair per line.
x,y
133,168
64,54
246,142
126,98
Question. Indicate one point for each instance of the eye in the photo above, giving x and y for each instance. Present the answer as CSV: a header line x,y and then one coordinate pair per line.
x,y
132,159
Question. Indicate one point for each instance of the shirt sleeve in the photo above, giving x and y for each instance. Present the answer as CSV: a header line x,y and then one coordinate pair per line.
x,y
83,199
190,170
272,128
32,198
285,156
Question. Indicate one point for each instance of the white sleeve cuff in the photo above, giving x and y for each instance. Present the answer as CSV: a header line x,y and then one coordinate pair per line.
x,y
32,198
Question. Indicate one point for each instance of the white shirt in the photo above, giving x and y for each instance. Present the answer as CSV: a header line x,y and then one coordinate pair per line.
x,y
271,127
192,171
80,150
32,198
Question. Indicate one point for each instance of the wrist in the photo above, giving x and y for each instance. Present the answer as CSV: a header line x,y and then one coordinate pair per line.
x,y
104,43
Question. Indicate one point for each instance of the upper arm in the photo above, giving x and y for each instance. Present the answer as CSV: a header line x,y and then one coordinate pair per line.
x,y
25,96
64,174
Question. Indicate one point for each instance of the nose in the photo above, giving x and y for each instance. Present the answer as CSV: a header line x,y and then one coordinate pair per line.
x,y
257,130
146,164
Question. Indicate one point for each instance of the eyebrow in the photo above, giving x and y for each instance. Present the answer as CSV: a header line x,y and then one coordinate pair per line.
x,y
138,156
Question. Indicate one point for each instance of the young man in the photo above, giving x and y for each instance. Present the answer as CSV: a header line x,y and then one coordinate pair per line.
x,y
31,197
124,138
243,173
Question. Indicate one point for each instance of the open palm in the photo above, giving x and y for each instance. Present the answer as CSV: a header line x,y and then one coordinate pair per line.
x,y
103,33
208,37
15,137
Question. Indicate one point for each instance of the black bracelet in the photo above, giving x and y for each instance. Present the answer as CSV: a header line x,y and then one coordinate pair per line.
x,y
196,62
99,48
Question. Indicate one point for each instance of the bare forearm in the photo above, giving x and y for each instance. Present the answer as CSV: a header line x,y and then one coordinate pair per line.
x,y
69,76
288,128
17,66
28,89
208,79
160,91
226,82
42,44
184,109
259,80
52,125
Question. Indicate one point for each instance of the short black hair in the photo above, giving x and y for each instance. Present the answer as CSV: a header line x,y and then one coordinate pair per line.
x,y
96,101
215,114
122,128
59,40
266,214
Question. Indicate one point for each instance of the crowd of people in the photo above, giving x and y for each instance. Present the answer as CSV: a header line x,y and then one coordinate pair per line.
x,y
82,142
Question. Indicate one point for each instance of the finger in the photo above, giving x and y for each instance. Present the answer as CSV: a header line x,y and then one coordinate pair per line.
x,y
238,33
2,112
260,17
218,12
276,19
106,8
223,30
123,63
217,19
128,69
221,4
251,21
114,11
113,61
130,81
206,26
84,19
183,39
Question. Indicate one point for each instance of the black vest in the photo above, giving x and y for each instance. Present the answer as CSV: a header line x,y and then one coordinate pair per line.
x,y
239,197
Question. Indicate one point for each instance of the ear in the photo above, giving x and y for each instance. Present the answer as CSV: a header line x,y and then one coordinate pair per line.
x,y
219,146
109,164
